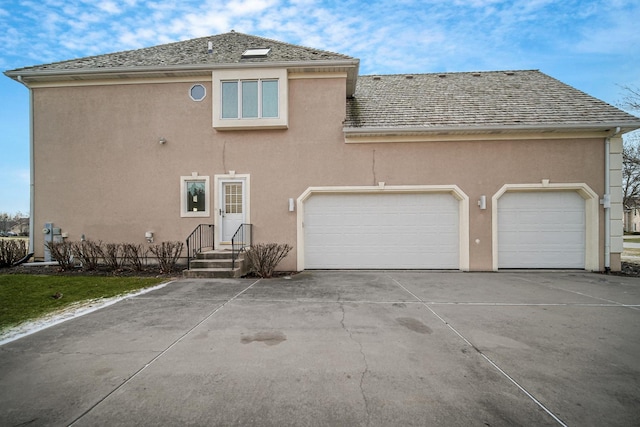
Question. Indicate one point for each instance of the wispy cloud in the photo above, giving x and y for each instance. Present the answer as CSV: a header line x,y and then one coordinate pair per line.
x,y
388,35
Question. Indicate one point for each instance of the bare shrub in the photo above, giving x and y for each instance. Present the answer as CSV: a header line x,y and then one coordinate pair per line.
x,y
264,257
135,255
62,253
167,254
89,253
113,255
12,251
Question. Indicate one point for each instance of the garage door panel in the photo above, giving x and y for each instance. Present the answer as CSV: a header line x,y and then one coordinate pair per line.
x,y
381,231
541,230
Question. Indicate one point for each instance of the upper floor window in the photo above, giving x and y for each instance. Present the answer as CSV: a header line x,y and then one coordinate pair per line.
x,y
252,98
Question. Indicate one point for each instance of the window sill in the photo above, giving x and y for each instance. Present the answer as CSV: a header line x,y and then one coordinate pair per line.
x,y
250,124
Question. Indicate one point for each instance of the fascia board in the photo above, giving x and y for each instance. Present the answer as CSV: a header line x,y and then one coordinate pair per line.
x,y
27,74
399,131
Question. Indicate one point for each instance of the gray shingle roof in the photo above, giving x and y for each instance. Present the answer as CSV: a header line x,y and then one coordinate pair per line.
x,y
227,49
488,99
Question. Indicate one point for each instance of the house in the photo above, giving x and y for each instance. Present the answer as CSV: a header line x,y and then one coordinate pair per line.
x,y
631,218
463,171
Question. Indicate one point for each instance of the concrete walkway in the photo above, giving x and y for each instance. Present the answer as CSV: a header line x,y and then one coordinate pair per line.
x,y
341,348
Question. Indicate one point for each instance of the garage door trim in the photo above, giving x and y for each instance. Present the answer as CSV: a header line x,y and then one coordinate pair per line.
x,y
454,190
591,215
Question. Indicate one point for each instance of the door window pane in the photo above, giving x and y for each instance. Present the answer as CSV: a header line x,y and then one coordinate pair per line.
x,y
249,99
269,98
229,100
233,198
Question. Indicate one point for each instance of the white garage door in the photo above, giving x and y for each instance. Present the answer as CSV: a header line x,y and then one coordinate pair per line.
x,y
541,230
377,231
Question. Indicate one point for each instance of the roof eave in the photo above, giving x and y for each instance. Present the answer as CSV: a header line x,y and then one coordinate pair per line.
x,y
27,76
604,127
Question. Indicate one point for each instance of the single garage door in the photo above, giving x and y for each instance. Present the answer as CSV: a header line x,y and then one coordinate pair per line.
x,y
377,231
541,230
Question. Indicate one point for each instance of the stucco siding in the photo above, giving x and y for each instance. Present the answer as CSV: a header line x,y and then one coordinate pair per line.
x,y
101,172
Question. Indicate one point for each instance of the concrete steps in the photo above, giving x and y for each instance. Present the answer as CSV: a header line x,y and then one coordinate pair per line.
x,y
215,265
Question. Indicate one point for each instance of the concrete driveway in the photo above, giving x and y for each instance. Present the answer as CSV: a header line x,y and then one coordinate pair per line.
x,y
341,348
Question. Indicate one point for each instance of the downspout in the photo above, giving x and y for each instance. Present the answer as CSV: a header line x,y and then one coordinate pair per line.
x,y
31,170
607,201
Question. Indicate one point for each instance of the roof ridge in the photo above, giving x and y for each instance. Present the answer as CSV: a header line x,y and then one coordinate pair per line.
x,y
290,44
192,51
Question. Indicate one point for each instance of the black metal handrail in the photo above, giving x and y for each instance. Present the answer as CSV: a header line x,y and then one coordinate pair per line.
x,y
240,240
199,239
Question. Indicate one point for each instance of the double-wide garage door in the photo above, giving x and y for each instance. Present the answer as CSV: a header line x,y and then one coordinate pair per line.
x,y
541,230
381,230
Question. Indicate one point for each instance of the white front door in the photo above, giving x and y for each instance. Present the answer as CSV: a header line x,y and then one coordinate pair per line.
x,y
232,208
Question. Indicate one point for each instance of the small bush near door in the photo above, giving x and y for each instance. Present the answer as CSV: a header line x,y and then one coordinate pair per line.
x,y
264,257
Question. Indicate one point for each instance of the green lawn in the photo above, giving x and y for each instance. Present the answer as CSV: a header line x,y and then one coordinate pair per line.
x,y
27,297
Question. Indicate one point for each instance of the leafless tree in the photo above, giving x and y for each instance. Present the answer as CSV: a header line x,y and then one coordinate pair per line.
x,y
631,152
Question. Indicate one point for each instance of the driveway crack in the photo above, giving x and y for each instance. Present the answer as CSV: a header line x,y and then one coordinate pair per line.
x,y
365,371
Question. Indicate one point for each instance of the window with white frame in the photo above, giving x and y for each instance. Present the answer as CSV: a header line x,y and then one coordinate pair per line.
x,y
252,98
194,196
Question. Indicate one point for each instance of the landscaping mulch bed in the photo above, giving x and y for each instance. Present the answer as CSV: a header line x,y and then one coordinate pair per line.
x,y
629,269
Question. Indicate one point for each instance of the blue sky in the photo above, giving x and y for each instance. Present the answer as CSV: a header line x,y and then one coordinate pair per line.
x,y
591,45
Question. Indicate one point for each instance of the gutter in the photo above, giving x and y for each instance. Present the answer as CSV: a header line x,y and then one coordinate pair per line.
x,y
33,74
398,131
25,73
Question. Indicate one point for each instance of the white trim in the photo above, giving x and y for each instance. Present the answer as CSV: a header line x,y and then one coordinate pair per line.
x,y
119,81
454,190
470,134
218,180
591,216
184,213
280,122
203,96
320,75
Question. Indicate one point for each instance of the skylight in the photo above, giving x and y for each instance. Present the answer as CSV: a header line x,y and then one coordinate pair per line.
x,y
259,52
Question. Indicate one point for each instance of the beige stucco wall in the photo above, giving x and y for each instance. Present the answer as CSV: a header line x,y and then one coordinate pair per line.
x,y
99,170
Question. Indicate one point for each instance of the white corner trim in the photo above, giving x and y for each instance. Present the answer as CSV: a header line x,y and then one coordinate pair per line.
x,y
454,190
591,261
